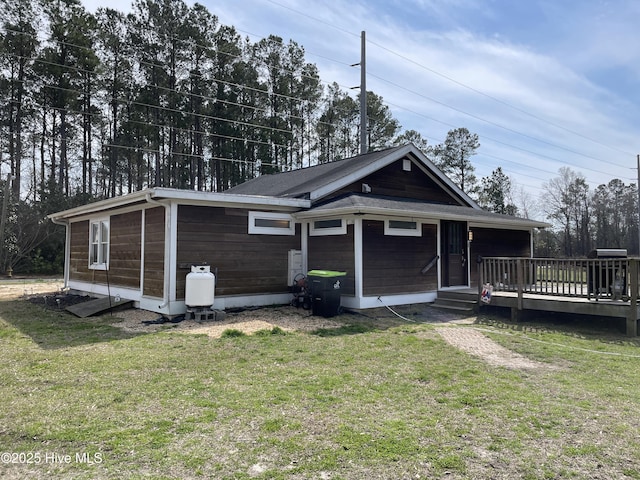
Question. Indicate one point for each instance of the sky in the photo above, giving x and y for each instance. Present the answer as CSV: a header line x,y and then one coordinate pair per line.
x,y
545,84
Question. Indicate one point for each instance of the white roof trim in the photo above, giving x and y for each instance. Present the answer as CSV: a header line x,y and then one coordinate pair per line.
x,y
442,177
386,160
403,213
184,196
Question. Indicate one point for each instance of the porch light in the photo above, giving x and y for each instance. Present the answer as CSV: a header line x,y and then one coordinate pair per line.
x,y
470,235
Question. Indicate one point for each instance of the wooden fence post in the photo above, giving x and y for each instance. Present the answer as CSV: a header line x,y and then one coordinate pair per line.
x,y
520,281
632,314
480,264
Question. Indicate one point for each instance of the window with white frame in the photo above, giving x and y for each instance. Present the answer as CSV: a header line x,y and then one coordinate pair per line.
x,y
403,228
270,223
331,226
99,244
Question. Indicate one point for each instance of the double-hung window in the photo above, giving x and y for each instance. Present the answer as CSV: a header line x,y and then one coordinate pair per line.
x,y
99,244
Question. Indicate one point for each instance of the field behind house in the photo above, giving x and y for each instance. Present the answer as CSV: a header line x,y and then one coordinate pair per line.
x,y
367,398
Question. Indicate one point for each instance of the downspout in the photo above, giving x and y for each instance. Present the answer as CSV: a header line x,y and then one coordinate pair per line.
x,y
67,249
165,288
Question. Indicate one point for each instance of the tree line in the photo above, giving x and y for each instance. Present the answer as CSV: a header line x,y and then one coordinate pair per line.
x,y
97,105
104,104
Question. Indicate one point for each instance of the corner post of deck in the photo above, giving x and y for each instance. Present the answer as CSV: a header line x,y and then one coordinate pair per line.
x,y
520,280
480,280
632,314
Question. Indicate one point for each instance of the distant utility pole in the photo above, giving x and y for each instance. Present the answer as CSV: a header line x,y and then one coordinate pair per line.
x,y
363,95
638,187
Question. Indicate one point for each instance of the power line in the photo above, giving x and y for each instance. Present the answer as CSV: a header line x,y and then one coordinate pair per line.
x,y
180,92
477,117
317,20
299,99
500,141
500,101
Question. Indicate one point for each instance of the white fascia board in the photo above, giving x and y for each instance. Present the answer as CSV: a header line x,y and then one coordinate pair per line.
x,y
384,212
108,204
441,177
184,196
194,197
427,166
513,225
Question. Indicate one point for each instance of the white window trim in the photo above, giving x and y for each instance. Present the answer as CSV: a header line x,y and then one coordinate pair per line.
x,y
318,232
257,230
104,264
402,232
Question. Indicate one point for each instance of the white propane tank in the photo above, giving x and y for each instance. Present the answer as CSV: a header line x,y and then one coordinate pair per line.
x,y
200,287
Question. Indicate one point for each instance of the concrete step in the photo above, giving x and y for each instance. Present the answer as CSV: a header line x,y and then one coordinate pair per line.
x,y
457,301
454,308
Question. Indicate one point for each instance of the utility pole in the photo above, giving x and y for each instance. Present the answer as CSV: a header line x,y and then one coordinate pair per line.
x,y
638,188
363,95
364,127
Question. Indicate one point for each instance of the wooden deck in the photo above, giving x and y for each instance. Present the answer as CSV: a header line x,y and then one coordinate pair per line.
x,y
600,287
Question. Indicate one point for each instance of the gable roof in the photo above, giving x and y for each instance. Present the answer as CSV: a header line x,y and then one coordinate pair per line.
x,y
318,181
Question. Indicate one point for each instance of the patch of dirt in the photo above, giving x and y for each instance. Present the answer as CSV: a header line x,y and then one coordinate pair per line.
x,y
475,343
248,321
27,287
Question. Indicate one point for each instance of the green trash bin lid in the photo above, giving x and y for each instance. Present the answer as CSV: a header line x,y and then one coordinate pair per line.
x,y
325,273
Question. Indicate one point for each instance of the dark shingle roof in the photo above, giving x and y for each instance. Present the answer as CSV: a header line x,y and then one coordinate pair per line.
x,y
299,183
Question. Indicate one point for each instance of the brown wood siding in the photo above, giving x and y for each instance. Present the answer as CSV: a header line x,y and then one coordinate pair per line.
x,y
493,242
334,252
124,252
393,181
245,264
154,238
392,264
125,243
79,252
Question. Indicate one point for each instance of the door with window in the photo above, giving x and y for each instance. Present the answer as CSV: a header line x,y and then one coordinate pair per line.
x,y
454,254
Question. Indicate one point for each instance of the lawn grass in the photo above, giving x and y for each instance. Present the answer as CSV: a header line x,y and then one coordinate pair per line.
x,y
356,402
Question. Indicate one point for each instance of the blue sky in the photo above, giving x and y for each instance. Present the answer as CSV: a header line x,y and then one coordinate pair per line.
x,y
544,83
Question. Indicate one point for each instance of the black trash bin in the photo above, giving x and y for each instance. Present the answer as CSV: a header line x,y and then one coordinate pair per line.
x,y
325,287
607,278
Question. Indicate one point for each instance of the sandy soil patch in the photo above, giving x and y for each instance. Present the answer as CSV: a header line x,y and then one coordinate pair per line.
x,y
248,321
16,288
475,343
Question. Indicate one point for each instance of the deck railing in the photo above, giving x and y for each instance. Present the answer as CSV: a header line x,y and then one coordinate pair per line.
x,y
614,279
588,278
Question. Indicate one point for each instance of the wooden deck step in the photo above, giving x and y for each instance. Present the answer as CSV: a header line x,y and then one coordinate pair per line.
x,y
465,302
